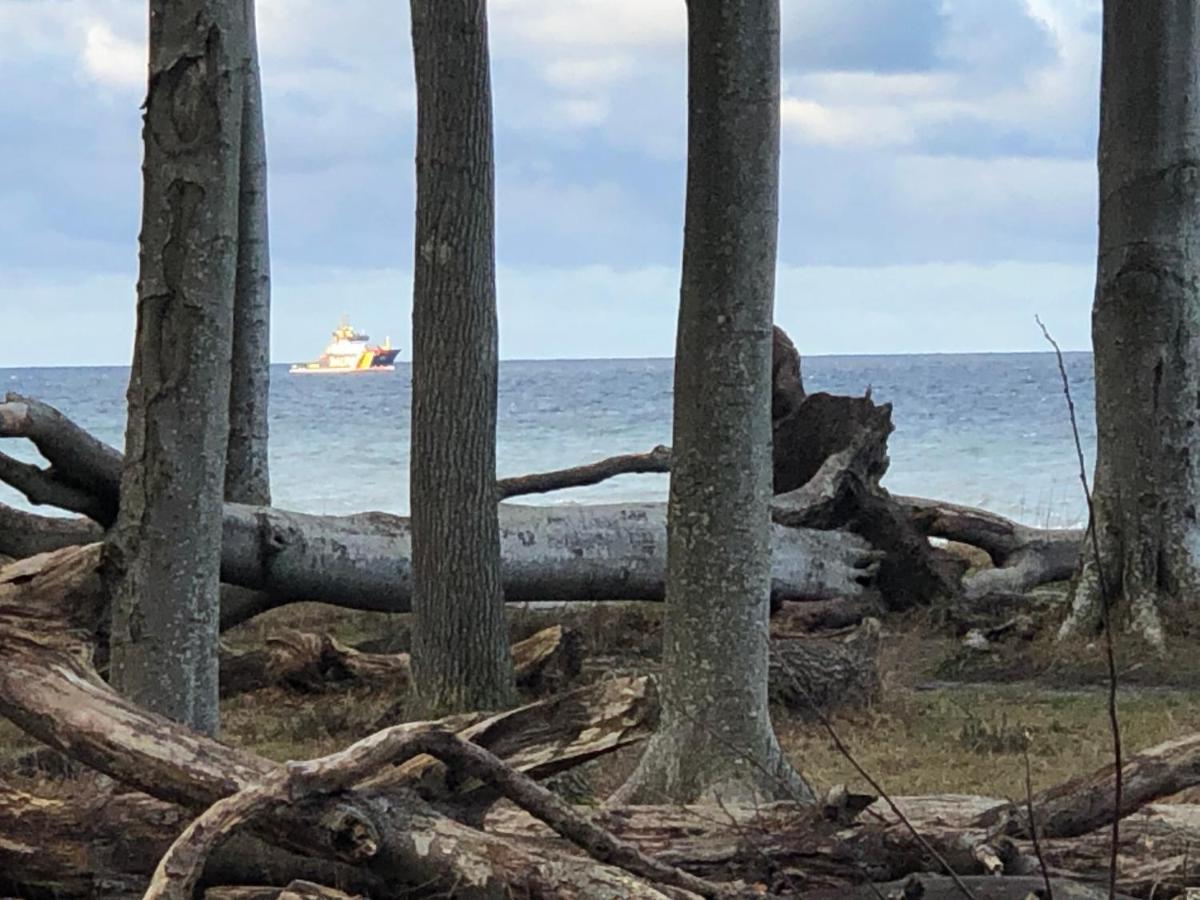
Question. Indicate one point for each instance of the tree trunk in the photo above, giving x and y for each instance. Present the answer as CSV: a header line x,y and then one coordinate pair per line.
x,y
166,546
1146,321
460,646
247,472
715,738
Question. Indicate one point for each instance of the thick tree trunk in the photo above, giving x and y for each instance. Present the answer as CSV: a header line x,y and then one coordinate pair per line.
x,y
460,647
715,738
1146,320
247,470
556,554
166,545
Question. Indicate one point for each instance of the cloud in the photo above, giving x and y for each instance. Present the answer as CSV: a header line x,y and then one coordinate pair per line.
x,y
918,135
113,60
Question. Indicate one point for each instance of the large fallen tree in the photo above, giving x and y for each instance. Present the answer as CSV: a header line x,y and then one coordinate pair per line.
x,y
417,823
569,553
559,553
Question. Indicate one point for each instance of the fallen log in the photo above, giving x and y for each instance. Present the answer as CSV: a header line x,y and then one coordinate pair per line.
x,y
1024,556
983,887
561,553
78,461
811,674
554,553
26,534
48,607
179,870
310,662
1085,803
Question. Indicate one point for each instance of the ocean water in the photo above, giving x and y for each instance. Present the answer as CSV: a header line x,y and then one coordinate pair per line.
x,y
987,430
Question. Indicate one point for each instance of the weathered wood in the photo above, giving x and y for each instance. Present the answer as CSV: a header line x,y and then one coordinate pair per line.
x,y
295,890
76,458
27,534
810,673
1085,803
984,887
90,838
559,553
657,460
48,688
177,873
42,488
1024,556
309,661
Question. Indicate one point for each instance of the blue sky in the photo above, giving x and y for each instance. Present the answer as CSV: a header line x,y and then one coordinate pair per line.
x,y
938,173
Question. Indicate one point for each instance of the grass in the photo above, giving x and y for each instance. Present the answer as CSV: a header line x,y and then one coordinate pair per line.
x,y
948,721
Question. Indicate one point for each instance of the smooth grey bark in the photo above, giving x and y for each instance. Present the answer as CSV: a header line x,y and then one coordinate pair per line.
x,y
1146,321
549,554
715,737
163,557
247,471
461,659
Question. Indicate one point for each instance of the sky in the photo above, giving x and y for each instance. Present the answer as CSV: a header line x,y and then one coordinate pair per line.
x,y
938,182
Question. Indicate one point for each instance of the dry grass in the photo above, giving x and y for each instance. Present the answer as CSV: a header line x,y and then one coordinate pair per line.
x,y
925,735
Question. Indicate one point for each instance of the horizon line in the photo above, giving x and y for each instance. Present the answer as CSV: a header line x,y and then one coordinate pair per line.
x,y
555,359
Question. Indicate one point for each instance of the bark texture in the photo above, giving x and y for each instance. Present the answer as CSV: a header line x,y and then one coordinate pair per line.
x,y
166,546
247,471
1146,321
460,647
715,738
27,534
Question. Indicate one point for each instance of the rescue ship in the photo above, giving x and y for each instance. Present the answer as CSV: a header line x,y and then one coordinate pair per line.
x,y
349,352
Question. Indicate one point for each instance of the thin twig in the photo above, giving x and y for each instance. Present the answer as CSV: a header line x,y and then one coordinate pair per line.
x,y
1033,830
875,785
1114,723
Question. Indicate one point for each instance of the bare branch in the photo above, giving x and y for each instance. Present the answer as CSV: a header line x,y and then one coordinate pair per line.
x,y
1106,599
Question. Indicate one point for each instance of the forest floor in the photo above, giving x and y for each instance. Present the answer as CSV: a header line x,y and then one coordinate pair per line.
x,y
949,720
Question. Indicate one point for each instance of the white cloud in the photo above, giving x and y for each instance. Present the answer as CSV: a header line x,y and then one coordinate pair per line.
x,y
112,60
807,121
573,72
593,23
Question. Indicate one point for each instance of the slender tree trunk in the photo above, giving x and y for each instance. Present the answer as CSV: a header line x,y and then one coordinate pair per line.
x,y
247,474
460,647
1146,319
715,737
165,552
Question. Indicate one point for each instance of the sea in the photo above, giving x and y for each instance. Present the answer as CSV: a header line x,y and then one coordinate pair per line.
x,y
988,430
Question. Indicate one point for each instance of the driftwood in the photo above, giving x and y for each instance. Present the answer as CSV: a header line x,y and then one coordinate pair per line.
x,y
558,553
1084,804
48,607
385,826
81,467
309,661
26,534
1024,556
657,460
808,674
830,454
